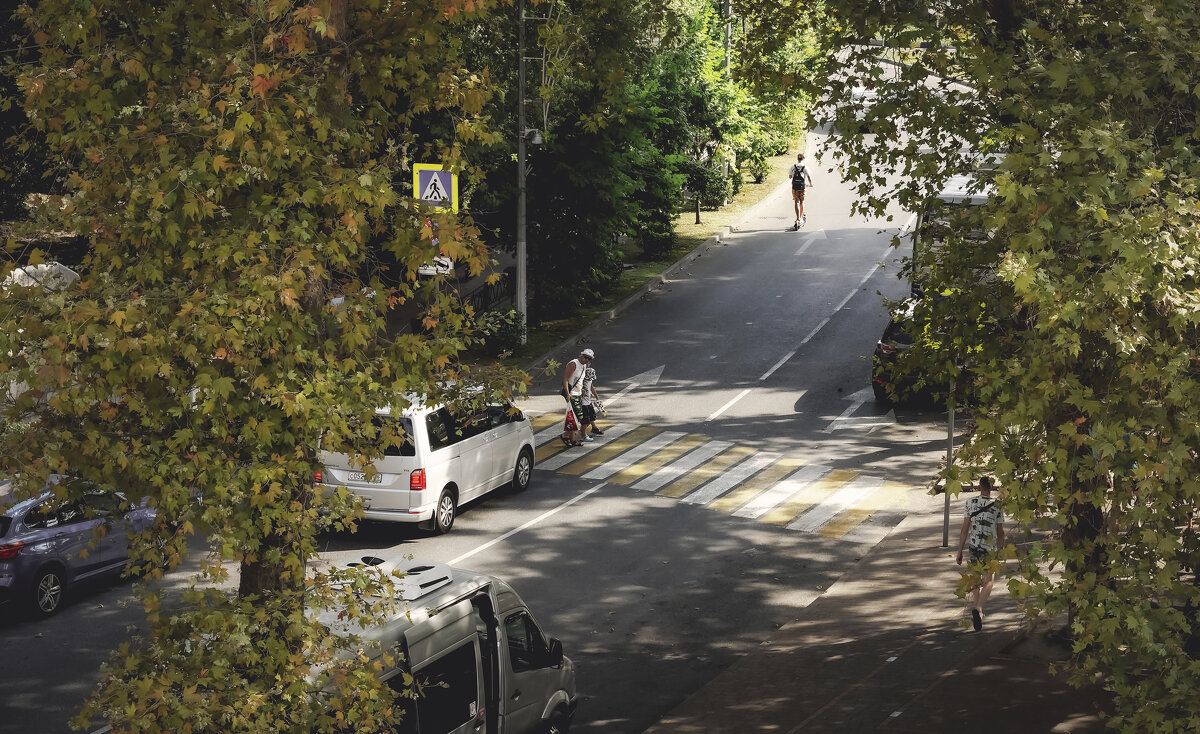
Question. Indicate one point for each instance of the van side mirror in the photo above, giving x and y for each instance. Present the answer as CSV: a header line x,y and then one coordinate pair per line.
x,y
554,656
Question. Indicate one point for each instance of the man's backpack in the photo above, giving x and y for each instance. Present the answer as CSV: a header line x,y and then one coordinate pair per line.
x,y
799,172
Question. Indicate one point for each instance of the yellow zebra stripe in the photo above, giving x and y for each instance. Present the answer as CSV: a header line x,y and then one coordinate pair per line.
x,y
658,459
620,446
809,496
701,474
764,480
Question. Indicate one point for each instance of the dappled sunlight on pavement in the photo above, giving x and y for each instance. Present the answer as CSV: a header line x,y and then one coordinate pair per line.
x,y
887,648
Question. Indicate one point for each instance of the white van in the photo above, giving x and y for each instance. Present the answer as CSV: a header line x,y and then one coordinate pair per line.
x,y
447,459
476,650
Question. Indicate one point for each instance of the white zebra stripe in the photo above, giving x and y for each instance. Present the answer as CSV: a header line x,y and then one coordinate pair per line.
x,y
842,500
681,466
731,478
780,493
566,456
631,457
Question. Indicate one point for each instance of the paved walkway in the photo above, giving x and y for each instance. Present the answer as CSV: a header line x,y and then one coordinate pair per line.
x,y
889,648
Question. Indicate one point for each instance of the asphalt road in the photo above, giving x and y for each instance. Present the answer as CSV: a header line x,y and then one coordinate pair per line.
x,y
656,573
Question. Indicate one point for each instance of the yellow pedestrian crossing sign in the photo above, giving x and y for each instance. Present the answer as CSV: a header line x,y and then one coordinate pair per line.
x,y
435,186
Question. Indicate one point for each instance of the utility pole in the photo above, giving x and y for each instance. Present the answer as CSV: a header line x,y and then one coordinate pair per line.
x,y
949,460
522,305
728,8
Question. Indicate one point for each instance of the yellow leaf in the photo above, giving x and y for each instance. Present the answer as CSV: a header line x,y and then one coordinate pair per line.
x,y
288,297
220,163
118,318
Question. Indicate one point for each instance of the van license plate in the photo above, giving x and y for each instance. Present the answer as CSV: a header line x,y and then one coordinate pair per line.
x,y
358,476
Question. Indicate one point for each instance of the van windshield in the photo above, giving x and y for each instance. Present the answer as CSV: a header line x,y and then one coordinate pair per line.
x,y
402,429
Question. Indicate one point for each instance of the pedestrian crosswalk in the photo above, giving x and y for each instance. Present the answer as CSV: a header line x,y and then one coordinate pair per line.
x,y
734,479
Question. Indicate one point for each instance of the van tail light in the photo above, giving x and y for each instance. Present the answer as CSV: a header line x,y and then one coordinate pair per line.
x,y
317,477
416,480
11,550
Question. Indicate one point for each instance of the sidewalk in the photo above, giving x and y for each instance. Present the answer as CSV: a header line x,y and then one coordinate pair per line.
x,y
887,649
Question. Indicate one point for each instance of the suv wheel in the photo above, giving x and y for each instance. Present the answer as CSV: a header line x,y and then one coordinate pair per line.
x,y
523,472
46,594
560,723
443,514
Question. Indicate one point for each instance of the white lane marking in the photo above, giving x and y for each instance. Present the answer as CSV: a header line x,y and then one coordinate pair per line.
x,y
551,433
526,526
731,478
566,456
854,405
856,402
682,465
869,422
867,534
842,500
727,406
649,378
826,320
779,364
629,458
613,400
782,491
811,237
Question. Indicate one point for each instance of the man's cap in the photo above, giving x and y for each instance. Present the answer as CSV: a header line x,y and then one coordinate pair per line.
x,y
588,353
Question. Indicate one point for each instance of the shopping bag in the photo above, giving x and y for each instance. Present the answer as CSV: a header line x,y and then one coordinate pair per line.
x,y
569,424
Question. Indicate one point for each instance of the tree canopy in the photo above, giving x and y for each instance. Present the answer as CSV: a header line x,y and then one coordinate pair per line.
x,y
1069,301
238,170
237,176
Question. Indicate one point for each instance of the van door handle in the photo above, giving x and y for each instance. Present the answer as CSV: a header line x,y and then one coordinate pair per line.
x,y
516,694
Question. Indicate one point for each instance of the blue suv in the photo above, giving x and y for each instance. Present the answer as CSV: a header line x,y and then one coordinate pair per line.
x,y
48,545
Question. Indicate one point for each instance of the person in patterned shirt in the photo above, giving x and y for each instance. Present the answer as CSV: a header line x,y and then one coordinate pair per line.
x,y
982,534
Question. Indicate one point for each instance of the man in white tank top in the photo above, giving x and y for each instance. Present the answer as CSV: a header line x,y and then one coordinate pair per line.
x,y
572,384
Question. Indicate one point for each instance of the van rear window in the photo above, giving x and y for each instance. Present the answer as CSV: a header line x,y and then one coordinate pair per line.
x,y
403,429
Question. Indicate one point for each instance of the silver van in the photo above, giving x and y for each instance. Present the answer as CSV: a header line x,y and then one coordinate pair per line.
x,y
446,460
470,641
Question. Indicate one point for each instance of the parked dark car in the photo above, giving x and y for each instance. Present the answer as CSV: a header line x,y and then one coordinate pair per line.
x,y
886,382
47,546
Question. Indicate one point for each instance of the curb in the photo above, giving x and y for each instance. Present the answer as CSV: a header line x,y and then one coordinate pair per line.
x,y
718,238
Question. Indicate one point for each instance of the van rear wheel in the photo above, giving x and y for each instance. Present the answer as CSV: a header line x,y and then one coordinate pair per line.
x,y
444,513
523,472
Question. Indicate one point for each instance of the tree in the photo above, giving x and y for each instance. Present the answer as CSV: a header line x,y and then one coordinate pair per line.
x,y
1082,345
235,167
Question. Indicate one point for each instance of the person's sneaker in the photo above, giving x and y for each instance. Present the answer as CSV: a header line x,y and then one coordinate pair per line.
x,y
976,619
597,431
588,438
803,220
